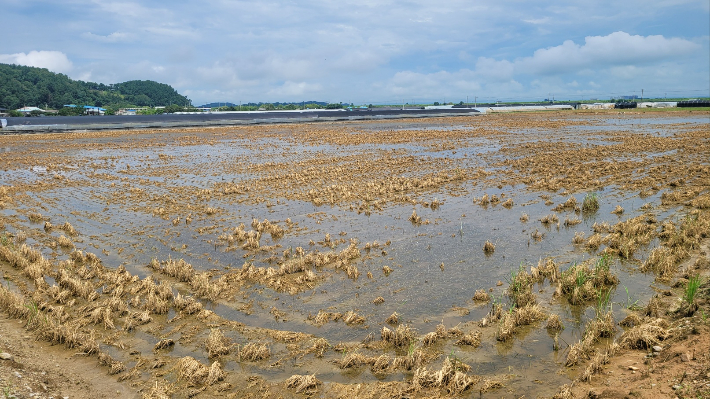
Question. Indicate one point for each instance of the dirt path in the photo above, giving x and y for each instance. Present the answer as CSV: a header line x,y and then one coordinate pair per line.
x,y
39,370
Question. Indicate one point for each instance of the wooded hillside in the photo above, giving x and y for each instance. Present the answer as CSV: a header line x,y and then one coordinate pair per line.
x,y
29,86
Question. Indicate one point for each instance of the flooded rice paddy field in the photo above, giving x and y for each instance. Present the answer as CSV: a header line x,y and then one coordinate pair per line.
x,y
468,256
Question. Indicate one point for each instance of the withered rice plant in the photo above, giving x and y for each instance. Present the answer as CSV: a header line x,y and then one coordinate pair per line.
x,y
601,326
520,288
663,262
320,346
594,242
65,242
164,344
450,377
196,373
646,335
481,296
303,383
414,218
489,247
631,320
159,390
102,315
490,384
572,222
517,317
68,228
582,282
381,364
34,217
351,318
472,339
114,366
578,238
400,337
554,323
253,351
493,315
546,269
179,269
217,344
393,319
596,365
355,359
565,392
549,219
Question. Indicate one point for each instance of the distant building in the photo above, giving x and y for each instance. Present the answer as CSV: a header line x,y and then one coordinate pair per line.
x,y
89,110
130,111
27,110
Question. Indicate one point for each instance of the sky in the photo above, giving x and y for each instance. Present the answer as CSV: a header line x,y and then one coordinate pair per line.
x,y
371,51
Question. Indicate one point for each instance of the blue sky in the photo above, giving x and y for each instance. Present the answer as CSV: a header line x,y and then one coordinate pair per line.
x,y
370,51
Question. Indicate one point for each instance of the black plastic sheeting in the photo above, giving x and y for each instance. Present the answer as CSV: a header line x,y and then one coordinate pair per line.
x,y
694,103
630,104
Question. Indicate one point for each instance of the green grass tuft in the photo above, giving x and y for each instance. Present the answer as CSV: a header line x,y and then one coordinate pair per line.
x,y
691,289
590,203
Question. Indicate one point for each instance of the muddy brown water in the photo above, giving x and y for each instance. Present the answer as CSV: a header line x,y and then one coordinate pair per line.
x,y
114,184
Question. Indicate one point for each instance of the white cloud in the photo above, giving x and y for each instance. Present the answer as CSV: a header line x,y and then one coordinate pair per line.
x,y
114,37
55,61
618,48
294,90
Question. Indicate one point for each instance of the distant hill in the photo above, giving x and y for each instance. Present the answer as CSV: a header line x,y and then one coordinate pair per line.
x,y
215,105
276,104
22,85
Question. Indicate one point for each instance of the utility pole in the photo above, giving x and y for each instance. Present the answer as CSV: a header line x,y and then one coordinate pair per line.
x,y
475,101
642,95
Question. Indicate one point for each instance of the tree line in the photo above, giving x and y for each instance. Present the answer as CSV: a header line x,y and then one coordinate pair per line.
x,y
30,86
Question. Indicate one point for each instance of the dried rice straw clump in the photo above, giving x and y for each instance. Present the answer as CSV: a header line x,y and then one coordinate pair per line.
x,y
400,337
303,383
217,344
253,352
196,373
646,335
449,377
